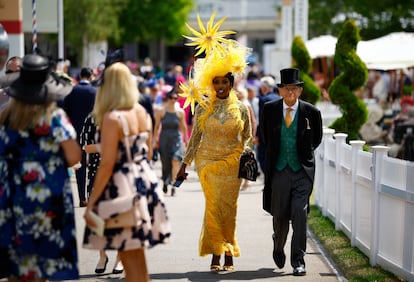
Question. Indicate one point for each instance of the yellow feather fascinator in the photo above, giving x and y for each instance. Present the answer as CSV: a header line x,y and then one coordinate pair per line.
x,y
222,56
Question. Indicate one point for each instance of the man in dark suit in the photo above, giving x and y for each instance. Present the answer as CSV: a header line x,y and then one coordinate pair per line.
x,y
78,104
290,166
267,94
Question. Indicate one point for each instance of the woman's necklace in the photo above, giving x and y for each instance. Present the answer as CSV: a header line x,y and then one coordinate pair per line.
x,y
221,112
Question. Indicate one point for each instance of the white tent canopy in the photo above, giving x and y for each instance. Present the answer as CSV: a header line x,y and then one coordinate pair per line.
x,y
322,46
393,51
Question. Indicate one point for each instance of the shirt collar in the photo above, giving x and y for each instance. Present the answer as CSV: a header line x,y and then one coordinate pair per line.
x,y
294,107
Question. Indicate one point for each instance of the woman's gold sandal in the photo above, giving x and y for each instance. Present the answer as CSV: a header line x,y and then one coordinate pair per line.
x,y
215,263
228,267
228,263
215,268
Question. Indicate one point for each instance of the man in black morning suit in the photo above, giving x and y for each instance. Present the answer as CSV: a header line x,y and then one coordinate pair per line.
x,y
78,104
290,142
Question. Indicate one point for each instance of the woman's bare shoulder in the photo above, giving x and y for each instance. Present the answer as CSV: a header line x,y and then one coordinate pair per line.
x,y
111,116
180,111
139,109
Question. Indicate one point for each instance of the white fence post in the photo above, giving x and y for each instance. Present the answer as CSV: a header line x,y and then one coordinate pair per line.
x,y
356,146
377,158
340,138
327,134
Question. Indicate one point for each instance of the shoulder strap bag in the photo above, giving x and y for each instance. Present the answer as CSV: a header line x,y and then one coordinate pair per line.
x,y
123,211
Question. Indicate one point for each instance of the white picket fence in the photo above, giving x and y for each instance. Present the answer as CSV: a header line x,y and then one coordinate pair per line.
x,y
370,197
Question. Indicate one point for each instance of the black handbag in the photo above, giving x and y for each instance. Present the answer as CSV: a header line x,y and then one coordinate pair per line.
x,y
248,166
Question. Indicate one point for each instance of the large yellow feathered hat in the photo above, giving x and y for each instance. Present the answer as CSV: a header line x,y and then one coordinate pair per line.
x,y
222,56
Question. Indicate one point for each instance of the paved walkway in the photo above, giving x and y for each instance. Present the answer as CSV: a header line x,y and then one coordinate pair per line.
x,y
179,260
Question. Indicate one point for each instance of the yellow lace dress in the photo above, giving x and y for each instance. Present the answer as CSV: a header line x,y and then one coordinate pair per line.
x,y
216,148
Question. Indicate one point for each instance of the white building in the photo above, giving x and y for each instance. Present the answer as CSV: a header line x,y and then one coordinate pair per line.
x,y
255,21
266,26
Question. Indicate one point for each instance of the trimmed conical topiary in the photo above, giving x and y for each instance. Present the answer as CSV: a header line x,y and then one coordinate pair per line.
x,y
353,75
302,60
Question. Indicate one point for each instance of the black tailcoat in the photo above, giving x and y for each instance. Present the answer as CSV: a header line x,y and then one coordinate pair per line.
x,y
308,136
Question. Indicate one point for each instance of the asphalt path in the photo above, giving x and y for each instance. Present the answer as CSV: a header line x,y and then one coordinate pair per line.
x,y
179,260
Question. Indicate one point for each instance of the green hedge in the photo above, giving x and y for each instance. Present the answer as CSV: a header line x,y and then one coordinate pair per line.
x,y
353,75
302,60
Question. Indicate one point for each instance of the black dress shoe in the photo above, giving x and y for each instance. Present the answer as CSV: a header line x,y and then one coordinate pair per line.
x,y
118,267
299,271
279,258
101,268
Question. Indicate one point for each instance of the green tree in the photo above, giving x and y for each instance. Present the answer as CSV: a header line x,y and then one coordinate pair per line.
x,y
311,92
353,75
89,21
321,13
380,17
149,20
374,18
124,21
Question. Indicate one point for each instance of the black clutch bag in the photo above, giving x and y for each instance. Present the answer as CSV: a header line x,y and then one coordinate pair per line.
x,y
248,166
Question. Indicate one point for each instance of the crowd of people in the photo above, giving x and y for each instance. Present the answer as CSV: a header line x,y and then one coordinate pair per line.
x,y
210,117
92,123
390,106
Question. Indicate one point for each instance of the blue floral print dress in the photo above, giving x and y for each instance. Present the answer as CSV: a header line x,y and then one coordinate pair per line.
x,y
37,223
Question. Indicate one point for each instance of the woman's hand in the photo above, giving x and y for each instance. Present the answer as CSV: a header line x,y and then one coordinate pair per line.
x,y
155,142
247,150
88,220
94,222
92,148
181,174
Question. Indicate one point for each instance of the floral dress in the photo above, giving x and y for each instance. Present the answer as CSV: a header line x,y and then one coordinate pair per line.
x,y
37,223
155,227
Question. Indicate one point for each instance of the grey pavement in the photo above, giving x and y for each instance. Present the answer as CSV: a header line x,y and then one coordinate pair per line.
x,y
179,260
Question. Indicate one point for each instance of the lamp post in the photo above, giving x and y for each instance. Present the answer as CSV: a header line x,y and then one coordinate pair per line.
x,y
61,50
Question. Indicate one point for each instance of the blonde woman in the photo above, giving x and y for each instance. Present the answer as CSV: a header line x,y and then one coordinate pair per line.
x,y
116,102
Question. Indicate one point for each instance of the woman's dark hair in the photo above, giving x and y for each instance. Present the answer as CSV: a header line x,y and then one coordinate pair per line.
x,y
114,57
230,76
173,92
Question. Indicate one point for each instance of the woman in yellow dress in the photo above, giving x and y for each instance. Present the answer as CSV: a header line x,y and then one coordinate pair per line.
x,y
221,132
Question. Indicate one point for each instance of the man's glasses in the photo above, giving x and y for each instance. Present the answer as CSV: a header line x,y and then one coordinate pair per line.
x,y
291,88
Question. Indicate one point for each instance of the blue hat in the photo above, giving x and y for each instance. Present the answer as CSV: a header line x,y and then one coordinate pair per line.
x,y
151,83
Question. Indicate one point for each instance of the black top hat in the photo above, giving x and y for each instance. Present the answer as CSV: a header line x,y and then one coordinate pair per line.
x,y
35,84
289,76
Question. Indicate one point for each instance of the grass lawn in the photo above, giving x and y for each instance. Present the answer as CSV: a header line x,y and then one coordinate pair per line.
x,y
349,261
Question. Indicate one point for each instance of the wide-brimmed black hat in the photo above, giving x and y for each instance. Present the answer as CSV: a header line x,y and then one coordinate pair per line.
x,y
35,83
290,76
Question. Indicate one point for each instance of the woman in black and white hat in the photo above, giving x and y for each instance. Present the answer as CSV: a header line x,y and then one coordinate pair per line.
x,y
37,145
